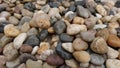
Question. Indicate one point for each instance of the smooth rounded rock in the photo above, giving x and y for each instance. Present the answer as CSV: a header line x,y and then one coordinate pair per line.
x,y
112,63
43,34
26,48
71,63
68,47
65,37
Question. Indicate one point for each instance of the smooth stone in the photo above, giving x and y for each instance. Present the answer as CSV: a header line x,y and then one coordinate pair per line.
x,y
13,20
11,31
117,4
43,34
81,56
103,33
112,53
24,20
32,31
90,22
97,59
54,4
2,60
32,41
68,47
78,20
83,12
18,41
112,63
33,64
59,27
26,48
12,64
46,65
84,65
100,9
22,66
73,29
66,4
96,66
35,49
5,14
10,52
60,51
26,12
70,16
72,8
100,26
54,60
88,35
24,57
65,37
18,16
71,63
25,27
79,44
29,6
113,40
99,45
5,40
45,8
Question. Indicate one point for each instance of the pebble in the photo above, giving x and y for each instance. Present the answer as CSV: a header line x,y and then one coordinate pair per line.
x,y
90,22
34,50
25,27
84,65
24,57
46,65
43,47
88,35
32,31
2,60
18,16
65,37
117,4
99,45
29,6
24,20
69,16
82,56
97,59
79,44
112,53
26,48
66,4
32,41
73,29
45,8
68,47
113,41
10,52
83,12
18,41
5,14
11,30
100,9
59,27
51,30
43,34
13,20
72,8
96,66
60,51
100,26
33,64
54,60
22,66
78,20
26,12
104,33
71,63
112,63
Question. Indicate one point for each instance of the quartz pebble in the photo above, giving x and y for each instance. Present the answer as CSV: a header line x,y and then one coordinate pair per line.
x,y
68,47
100,9
113,63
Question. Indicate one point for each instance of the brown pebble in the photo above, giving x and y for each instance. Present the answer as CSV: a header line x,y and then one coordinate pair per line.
x,y
26,48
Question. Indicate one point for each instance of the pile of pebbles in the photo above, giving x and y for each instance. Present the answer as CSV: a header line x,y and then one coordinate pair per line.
x,y
59,34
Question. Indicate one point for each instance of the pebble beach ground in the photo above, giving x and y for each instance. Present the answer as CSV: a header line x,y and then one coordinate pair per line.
x,y
59,33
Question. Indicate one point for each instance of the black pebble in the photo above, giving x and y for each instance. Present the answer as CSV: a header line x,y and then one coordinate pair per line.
x,y
54,4
117,4
29,6
72,8
83,2
66,38
2,25
43,34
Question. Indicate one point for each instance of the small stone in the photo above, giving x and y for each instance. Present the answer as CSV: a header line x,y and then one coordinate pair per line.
x,y
29,6
24,20
45,8
66,38
96,66
26,13
54,4
68,47
18,41
112,63
26,48
22,66
51,30
82,56
88,35
25,27
79,44
43,34
13,20
2,60
54,60
33,64
41,2
12,64
78,20
71,63
66,4
117,4
34,50
113,41
59,27
100,9
113,25
46,65
11,30
18,16
103,33
69,16
32,31
90,22
99,45
10,52
43,47
24,57
73,29
5,14
32,41
97,59
72,8
112,53
83,12
100,26
60,51
4,40
84,65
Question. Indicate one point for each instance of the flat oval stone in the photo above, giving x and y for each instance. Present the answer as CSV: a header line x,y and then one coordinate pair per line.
x,y
66,38
97,59
43,34
62,52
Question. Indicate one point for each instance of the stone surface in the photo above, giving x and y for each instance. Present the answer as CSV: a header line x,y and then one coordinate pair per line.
x,y
11,30
100,9
71,63
84,65
32,31
18,41
26,48
45,8
13,20
34,50
79,44
99,45
113,63
78,20
82,56
54,60
2,60
26,12
46,65
24,20
68,47
59,27
69,16
97,59
65,37
42,35
25,27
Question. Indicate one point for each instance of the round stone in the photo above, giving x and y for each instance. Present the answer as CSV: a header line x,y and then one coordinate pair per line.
x,y
68,47
26,48
66,38
43,34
